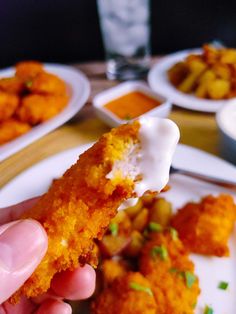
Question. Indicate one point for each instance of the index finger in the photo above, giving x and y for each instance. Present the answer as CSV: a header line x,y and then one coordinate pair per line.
x,y
14,212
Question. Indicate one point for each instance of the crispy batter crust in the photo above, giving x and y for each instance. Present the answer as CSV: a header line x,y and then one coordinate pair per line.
x,y
11,129
205,227
79,206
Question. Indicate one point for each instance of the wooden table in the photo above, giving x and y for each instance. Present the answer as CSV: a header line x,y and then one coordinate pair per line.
x,y
197,129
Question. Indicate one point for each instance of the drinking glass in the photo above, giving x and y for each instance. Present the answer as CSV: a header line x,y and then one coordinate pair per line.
x,y
125,26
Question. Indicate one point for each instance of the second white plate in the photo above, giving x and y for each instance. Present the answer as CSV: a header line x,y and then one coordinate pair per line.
x,y
159,82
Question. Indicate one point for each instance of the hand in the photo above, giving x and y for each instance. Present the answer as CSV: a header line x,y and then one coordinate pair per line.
x,y
23,244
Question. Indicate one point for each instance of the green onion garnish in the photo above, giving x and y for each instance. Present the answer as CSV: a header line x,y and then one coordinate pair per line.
x,y
223,285
114,228
190,279
154,226
173,270
127,117
28,84
208,310
173,233
138,287
159,251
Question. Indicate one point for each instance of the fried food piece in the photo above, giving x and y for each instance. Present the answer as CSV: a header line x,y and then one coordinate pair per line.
x,y
27,70
205,227
47,83
130,294
11,129
12,85
39,108
178,73
8,105
113,269
218,88
165,263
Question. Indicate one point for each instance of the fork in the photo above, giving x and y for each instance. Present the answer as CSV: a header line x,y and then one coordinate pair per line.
x,y
206,178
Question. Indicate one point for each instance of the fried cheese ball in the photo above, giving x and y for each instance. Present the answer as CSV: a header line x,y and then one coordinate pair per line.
x,y
27,70
39,108
165,263
205,227
11,128
47,83
130,294
80,205
8,105
11,85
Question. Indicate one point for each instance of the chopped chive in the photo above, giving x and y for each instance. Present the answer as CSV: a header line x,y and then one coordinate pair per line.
x,y
173,270
160,251
114,228
208,310
29,83
138,287
190,279
127,117
223,285
154,226
173,233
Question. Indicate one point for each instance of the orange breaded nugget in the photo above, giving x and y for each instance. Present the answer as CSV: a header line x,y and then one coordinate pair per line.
x,y
8,105
130,294
11,129
47,83
39,108
27,70
205,227
166,264
112,269
12,85
80,205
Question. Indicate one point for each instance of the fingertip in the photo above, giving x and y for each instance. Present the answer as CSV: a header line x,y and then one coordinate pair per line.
x,y
75,285
54,307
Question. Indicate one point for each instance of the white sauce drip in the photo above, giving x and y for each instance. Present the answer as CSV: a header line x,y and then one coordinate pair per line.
x,y
227,119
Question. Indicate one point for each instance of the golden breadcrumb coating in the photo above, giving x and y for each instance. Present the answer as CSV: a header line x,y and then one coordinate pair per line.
x,y
112,269
11,129
205,227
27,70
8,105
129,294
79,206
11,85
39,108
47,83
165,263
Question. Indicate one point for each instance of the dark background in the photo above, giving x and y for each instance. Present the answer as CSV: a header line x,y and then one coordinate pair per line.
x,y
67,31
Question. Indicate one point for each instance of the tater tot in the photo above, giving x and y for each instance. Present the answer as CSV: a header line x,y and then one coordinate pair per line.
x,y
8,105
39,108
46,83
11,129
27,70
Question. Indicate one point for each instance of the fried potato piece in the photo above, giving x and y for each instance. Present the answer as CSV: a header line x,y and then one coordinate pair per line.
x,y
11,128
130,294
39,108
85,198
12,85
165,263
27,70
205,227
218,88
47,83
8,105
178,73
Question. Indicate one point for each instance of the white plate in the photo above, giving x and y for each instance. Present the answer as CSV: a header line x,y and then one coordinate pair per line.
x,y
211,271
78,89
159,82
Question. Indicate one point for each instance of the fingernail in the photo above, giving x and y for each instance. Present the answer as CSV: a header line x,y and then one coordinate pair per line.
x,y
22,243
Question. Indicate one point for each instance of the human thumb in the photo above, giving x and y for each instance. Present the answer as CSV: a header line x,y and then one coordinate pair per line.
x,y
23,244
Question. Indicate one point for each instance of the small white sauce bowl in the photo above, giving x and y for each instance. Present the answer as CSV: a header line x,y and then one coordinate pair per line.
x,y
110,94
226,121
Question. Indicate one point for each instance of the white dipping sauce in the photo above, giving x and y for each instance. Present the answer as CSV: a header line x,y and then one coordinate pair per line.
x,y
158,139
226,119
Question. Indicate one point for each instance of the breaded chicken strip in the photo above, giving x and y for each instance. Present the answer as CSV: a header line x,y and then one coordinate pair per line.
x,y
8,105
11,129
130,294
166,264
12,85
47,83
27,70
39,108
80,205
205,227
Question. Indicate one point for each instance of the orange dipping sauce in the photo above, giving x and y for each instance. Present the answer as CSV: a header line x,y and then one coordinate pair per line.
x,y
131,105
